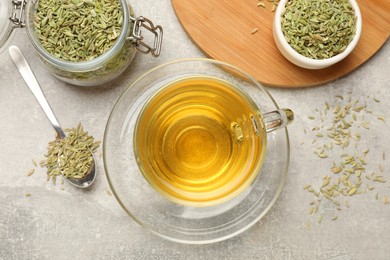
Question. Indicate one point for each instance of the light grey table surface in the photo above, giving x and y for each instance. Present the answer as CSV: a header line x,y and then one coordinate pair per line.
x,y
76,224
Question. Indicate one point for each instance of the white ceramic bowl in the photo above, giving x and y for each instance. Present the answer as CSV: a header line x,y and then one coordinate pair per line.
x,y
305,62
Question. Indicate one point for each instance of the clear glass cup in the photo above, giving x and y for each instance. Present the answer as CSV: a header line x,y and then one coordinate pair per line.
x,y
174,219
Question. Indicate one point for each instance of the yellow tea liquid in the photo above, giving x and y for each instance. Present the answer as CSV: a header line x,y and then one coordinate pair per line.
x,y
199,141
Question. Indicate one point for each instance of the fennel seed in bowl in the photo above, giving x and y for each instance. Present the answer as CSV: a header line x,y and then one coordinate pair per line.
x,y
318,29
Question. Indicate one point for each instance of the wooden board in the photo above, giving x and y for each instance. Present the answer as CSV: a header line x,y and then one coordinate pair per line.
x,y
223,30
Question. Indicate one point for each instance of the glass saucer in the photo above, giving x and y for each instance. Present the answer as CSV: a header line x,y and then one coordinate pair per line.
x,y
173,221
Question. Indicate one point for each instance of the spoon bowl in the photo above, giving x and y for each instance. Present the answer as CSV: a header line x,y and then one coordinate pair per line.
x,y
88,179
28,76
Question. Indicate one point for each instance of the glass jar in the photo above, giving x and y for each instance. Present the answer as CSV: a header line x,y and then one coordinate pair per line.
x,y
99,70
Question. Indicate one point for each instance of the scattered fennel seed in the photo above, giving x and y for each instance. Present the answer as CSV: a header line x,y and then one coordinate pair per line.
x,y
326,182
34,163
315,208
335,218
254,30
261,4
352,191
379,179
108,192
42,163
30,172
27,194
336,109
322,155
381,118
338,140
385,200
308,226
366,125
336,170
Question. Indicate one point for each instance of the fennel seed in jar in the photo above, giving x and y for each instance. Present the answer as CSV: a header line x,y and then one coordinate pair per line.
x,y
78,30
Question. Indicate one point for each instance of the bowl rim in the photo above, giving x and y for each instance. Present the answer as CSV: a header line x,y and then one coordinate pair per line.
x,y
160,234
316,63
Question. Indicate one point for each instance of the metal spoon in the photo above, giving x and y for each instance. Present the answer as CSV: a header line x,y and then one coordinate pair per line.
x,y
28,76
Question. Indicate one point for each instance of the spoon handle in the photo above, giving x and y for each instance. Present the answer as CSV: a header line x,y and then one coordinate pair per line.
x,y
28,76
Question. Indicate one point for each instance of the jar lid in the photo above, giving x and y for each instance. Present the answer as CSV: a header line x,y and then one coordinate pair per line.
x,y
6,24
11,16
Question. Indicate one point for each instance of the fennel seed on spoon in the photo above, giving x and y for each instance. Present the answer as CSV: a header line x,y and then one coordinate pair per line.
x,y
70,156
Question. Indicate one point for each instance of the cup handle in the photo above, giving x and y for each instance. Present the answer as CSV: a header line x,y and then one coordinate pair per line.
x,y
278,119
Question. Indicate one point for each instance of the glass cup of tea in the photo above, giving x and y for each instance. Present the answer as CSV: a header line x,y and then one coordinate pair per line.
x,y
193,135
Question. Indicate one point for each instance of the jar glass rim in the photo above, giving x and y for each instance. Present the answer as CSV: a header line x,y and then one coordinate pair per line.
x,y
84,65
